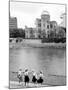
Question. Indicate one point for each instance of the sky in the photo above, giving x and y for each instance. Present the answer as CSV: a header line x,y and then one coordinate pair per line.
x,y
27,13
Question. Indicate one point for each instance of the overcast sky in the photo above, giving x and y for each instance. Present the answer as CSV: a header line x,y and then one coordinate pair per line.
x,y
27,13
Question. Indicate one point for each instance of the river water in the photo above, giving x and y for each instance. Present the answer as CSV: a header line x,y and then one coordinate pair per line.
x,y
50,61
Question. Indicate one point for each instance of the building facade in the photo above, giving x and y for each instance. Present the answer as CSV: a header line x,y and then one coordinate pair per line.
x,y
45,18
44,25
31,32
45,28
12,22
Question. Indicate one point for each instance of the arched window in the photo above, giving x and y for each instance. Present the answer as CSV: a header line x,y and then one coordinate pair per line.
x,y
47,26
51,26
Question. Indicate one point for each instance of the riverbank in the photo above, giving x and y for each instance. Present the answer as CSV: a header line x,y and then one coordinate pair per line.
x,y
45,45
50,80
37,45
15,84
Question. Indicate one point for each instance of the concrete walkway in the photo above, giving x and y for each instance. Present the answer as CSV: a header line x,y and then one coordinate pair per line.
x,y
15,84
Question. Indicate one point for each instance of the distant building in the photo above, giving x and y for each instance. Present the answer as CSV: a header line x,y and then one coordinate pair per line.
x,y
12,22
44,25
35,33
38,24
38,27
45,28
30,32
53,25
27,35
45,18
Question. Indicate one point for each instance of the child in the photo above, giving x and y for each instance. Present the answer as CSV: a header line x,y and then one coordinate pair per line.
x,y
26,77
40,80
20,75
34,78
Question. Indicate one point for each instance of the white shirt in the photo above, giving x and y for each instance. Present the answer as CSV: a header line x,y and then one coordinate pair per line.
x,y
34,74
26,73
41,75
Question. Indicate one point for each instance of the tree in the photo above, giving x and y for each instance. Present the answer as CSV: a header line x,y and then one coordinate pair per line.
x,y
21,33
15,33
61,33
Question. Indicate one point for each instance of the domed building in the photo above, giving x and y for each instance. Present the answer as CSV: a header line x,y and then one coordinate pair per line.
x,y
45,19
45,16
44,25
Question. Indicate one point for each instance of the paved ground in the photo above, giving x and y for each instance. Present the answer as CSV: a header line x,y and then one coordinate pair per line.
x,y
15,84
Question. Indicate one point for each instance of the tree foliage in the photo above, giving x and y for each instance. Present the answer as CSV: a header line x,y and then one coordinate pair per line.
x,y
14,33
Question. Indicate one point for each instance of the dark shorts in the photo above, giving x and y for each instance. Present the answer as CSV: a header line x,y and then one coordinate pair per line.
x,y
40,80
34,79
26,78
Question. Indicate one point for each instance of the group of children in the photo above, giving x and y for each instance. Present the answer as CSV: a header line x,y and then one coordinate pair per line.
x,y
35,78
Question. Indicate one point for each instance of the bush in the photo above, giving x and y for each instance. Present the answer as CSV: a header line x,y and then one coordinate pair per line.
x,y
15,33
54,40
